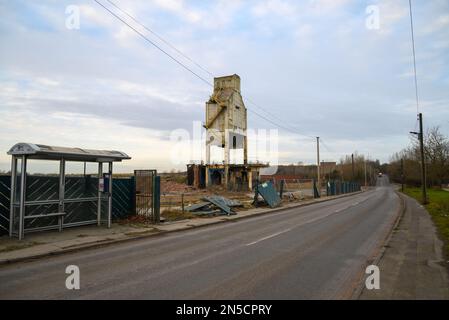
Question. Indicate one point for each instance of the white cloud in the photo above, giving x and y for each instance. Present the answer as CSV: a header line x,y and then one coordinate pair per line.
x,y
273,7
325,6
95,15
47,82
85,132
304,31
179,8
216,15
441,23
390,13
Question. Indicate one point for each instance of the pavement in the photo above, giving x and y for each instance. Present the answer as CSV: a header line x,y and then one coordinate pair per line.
x,y
42,244
412,265
318,251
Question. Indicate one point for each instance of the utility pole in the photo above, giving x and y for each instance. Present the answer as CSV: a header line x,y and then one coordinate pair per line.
x,y
402,175
352,161
423,161
420,133
366,183
318,161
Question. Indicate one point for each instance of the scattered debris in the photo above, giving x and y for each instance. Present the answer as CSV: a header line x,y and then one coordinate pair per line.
x,y
197,206
214,205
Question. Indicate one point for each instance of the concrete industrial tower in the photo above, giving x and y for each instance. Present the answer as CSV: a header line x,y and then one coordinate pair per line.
x,y
226,120
226,128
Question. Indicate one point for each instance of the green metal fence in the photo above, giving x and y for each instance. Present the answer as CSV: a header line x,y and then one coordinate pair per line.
x,y
5,194
43,187
341,187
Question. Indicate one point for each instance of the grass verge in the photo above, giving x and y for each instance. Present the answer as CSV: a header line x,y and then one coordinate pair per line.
x,y
438,208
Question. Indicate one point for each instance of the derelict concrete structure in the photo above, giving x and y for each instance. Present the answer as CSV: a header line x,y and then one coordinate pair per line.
x,y
19,201
226,127
226,118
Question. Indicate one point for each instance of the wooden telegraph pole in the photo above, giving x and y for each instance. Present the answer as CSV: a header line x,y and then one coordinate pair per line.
x,y
423,161
352,162
402,175
318,162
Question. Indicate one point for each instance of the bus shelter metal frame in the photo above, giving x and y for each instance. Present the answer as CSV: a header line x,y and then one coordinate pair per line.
x,y
26,151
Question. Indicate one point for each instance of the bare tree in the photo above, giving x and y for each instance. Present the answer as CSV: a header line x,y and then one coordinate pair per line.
x,y
437,156
436,149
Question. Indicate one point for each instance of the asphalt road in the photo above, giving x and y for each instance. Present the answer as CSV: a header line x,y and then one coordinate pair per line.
x,y
317,251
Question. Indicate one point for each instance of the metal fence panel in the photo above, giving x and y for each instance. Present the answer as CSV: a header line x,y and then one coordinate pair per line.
x,y
123,198
5,194
79,188
144,191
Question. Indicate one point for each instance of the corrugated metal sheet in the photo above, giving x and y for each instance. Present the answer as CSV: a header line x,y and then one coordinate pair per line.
x,y
268,192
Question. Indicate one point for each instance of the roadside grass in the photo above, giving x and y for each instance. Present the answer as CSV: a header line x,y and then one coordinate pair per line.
x,y
438,208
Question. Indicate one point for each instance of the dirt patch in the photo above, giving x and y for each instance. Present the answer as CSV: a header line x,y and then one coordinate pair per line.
x,y
13,247
136,221
176,215
142,232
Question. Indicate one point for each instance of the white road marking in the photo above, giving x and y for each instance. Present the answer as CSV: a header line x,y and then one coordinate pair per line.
x,y
268,237
350,206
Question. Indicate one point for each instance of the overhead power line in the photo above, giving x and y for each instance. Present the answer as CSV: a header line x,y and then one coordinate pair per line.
x,y
291,129
414,56
160,38
325,145
276,124
285,127
154,44
195,63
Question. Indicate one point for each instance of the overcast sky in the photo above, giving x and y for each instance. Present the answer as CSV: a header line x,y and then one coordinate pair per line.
x,y
313,64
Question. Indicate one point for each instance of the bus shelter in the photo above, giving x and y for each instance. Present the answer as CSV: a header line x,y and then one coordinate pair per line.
x,y
53,202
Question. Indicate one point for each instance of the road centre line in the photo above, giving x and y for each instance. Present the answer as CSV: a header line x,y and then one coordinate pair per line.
x,y
268,237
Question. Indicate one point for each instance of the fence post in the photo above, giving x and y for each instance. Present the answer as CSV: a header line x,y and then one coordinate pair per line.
x,y
256,192
132,196
182,202
281,191
316,194
156,199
